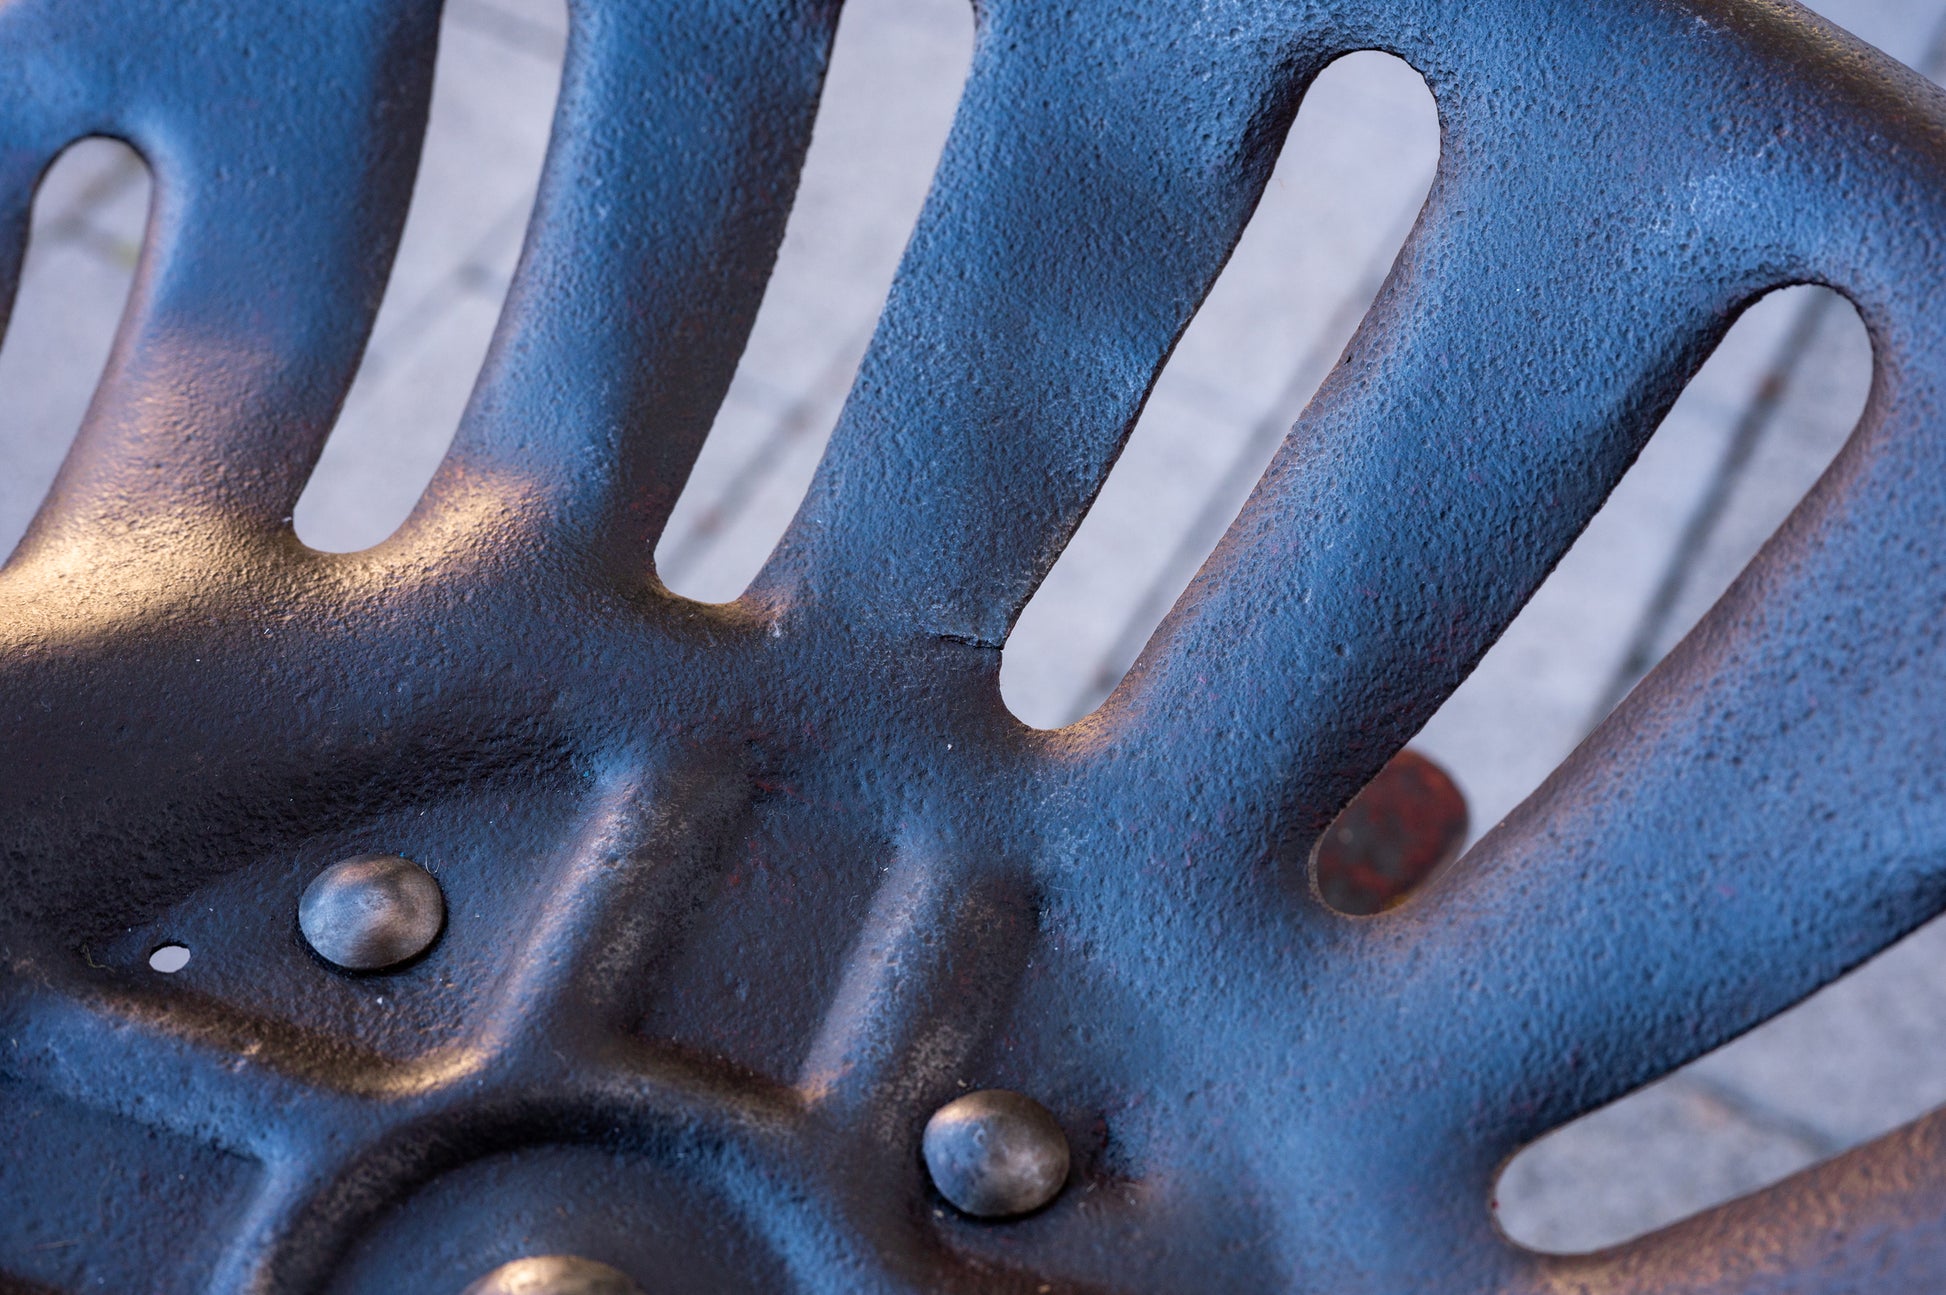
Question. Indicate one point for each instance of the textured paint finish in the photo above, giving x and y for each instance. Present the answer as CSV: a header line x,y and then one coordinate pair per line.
x,y
739,895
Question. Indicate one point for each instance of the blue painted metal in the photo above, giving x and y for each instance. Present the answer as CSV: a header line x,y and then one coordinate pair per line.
x,y
739,894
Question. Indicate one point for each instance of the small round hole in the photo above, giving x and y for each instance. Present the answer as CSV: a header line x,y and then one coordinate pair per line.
x,y
169,959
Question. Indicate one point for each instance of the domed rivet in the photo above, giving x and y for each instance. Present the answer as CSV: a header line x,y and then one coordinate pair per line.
x,y
371,911
554,1275
996,1153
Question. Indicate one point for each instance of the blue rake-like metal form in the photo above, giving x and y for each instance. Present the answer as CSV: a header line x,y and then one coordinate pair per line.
x,y
738,894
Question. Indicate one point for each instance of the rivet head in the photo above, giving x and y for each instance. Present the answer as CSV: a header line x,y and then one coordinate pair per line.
x,y
996,1153
554,1275
371,911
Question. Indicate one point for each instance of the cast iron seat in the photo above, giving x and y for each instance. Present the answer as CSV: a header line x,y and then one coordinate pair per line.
x,y
737,895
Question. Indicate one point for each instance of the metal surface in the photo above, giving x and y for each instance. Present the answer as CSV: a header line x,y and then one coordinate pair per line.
x,y
995,1154
740,894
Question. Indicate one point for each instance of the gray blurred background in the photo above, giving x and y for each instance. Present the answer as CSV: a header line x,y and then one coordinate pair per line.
x,y
1752,432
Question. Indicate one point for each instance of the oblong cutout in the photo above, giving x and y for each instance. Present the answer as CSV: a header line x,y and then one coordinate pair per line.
x,y
864,180
1751,434
494,88
90,213
1859,1058
1349,182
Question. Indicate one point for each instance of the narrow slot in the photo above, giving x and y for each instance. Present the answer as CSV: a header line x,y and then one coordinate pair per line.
x,y
494,88
865,178
1859,1058
1348,185
89,216
1752,431
1751,434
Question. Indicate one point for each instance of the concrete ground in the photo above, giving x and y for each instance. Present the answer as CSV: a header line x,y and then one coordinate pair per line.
x,y
1754,429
